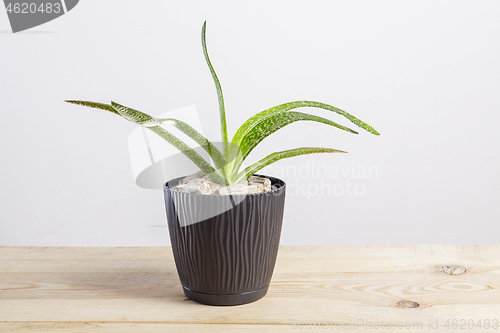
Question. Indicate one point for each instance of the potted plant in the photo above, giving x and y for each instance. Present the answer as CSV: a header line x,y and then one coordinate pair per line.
x,y
225,222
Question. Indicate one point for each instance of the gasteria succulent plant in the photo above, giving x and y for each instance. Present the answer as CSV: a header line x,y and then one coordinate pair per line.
x,y
229,162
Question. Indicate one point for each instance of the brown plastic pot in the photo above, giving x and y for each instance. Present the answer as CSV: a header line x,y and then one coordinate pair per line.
x,y
225,246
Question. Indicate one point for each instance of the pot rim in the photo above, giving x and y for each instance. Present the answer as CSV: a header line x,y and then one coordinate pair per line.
x,y
273,192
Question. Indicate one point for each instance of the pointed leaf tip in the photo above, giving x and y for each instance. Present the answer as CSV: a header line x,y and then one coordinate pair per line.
x,y
94,105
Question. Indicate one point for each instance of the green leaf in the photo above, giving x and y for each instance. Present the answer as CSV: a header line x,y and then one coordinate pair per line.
x,y
254,120
274,157
95,105
190,153
140,117
223,125
210,148
273,123
137,117
146,120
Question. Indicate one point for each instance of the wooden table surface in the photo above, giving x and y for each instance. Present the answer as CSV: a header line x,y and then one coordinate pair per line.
x,y
136,289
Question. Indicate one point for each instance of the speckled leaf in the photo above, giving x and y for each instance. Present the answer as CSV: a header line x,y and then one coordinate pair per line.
x,y
271,158
190,153
167,136
254,120
146,120
223,126
211,149
273,123
95,105
137,117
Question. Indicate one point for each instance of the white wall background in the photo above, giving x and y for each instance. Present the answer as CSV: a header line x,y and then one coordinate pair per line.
x,y
426,74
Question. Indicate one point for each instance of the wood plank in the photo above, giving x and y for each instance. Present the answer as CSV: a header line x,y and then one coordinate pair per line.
x,y
71,327
130,287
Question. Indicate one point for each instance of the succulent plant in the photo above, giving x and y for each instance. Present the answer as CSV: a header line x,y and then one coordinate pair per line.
x,y
229,161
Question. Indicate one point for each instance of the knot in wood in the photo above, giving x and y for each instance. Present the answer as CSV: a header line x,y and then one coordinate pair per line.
x,y
453,270
408,304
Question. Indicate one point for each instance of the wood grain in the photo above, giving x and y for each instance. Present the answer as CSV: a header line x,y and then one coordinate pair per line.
x,y
51,289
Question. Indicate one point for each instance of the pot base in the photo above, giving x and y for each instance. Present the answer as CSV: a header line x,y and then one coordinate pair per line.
x,y
231,299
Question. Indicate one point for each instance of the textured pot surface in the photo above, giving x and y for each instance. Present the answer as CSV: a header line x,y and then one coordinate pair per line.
x,y
225,246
